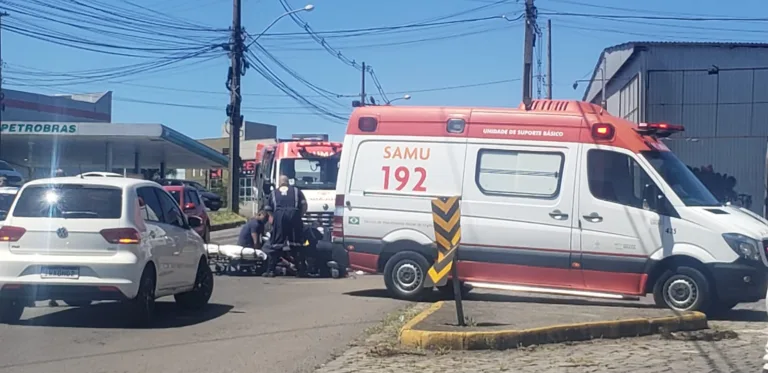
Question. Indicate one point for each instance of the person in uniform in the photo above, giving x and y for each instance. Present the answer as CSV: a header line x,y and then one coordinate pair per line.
x,y
253,230
288,205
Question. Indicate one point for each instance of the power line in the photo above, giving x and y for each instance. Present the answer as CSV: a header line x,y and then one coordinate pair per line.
x,y
45,77
669,18
109,74
681,26
452,36
679,35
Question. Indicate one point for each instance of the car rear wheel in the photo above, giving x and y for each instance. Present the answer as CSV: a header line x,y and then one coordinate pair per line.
x,y
144,303
201,293
11,311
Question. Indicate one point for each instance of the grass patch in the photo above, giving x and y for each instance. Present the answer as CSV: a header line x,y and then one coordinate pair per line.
x,y
383,338
224,217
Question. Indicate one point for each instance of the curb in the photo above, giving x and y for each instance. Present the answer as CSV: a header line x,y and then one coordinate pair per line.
x,y
507,339
221,227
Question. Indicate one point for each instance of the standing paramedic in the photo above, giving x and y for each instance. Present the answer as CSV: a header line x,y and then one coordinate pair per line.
x,y
288,205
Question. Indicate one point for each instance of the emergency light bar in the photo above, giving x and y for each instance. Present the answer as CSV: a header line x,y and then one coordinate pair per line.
x,y
658,129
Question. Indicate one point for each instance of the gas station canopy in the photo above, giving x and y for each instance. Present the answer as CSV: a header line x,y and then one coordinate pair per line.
x,y
103,146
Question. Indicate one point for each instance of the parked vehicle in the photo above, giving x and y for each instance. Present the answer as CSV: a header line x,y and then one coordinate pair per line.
x,y
89,239
563,198
210,199
7,195
12,177
191,203
99,174
311,164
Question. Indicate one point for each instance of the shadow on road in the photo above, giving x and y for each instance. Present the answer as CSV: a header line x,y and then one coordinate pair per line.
x,y
740,315
117,315
504,298
486,297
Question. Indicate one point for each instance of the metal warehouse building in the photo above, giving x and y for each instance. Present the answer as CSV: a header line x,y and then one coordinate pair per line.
x,y
718,91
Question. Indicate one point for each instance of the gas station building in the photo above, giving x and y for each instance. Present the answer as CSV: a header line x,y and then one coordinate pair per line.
x,y
40,133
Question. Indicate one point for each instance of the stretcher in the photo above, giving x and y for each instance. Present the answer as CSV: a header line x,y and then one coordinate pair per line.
x,y
227,259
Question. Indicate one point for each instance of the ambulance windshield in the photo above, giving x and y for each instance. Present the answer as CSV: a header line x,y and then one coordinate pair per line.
x,y
677,175
311,173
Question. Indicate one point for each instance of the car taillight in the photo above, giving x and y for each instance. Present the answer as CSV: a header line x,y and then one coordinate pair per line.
x,y
337,231
125,236
11,234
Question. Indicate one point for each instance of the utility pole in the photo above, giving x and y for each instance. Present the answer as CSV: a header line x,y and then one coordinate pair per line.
x,y
549,59
2,94
233,109
530,39
362,90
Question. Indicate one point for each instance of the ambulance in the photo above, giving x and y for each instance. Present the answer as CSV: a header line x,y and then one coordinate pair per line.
x,y
562,198
311,164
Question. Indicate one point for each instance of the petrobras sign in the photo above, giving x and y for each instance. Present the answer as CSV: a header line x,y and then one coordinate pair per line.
x,y
38,128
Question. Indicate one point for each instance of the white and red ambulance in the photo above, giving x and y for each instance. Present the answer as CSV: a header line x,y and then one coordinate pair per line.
x,y
563,198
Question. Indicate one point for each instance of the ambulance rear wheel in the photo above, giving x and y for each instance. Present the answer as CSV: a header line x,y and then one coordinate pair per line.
x,y
404,276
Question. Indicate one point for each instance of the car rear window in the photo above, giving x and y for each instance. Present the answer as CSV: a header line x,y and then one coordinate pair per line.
x,y
176,195
70,201
6,200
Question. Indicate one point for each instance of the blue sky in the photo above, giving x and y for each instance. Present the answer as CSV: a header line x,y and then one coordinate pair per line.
x,y
489,51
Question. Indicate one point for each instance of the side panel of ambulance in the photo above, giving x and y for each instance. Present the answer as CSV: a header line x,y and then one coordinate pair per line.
x,y
386,184
518,209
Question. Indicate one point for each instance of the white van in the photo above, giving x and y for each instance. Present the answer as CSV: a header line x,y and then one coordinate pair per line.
x,y
562,199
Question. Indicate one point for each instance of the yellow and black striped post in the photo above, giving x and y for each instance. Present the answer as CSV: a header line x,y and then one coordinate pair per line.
x,y
446,218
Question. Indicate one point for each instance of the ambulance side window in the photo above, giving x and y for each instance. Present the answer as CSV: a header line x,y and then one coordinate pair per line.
x,y
616,177
519,173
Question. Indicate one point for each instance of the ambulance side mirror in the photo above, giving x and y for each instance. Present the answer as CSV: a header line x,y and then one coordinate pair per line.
x,y
655,200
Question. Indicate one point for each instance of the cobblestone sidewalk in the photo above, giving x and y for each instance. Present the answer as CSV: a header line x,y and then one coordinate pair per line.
x,y
650,354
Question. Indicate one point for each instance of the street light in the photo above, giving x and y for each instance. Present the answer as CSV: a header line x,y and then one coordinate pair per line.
x,y
406,97
306,8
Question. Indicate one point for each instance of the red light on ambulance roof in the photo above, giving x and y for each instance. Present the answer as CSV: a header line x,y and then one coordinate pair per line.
x,y
367,124
603,131
658,129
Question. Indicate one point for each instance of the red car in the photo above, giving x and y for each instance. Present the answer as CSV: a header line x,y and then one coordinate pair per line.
x,y
190,202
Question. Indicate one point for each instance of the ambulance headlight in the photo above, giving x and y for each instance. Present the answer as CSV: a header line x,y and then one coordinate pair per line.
x,y
746,247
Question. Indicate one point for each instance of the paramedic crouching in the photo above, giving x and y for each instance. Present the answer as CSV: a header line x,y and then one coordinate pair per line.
x,y
253,230
288,205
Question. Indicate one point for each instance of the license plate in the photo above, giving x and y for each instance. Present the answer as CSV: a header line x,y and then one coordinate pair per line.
x,y
60,272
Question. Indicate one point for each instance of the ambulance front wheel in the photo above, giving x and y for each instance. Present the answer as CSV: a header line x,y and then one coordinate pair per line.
x,y
404,276
683,289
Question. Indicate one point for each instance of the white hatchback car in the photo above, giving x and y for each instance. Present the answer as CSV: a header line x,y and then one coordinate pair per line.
x,y
99,174
89,239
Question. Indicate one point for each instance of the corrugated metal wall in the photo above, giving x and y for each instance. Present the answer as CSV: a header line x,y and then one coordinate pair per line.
x,y
742,158
725,115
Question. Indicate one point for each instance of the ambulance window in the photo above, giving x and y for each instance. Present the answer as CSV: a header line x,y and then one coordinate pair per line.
x,y
616,177
518,173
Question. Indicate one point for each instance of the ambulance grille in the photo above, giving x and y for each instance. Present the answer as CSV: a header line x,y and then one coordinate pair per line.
x,y
323,219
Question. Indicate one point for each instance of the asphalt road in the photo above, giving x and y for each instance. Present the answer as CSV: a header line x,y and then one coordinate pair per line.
x,y
253,325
